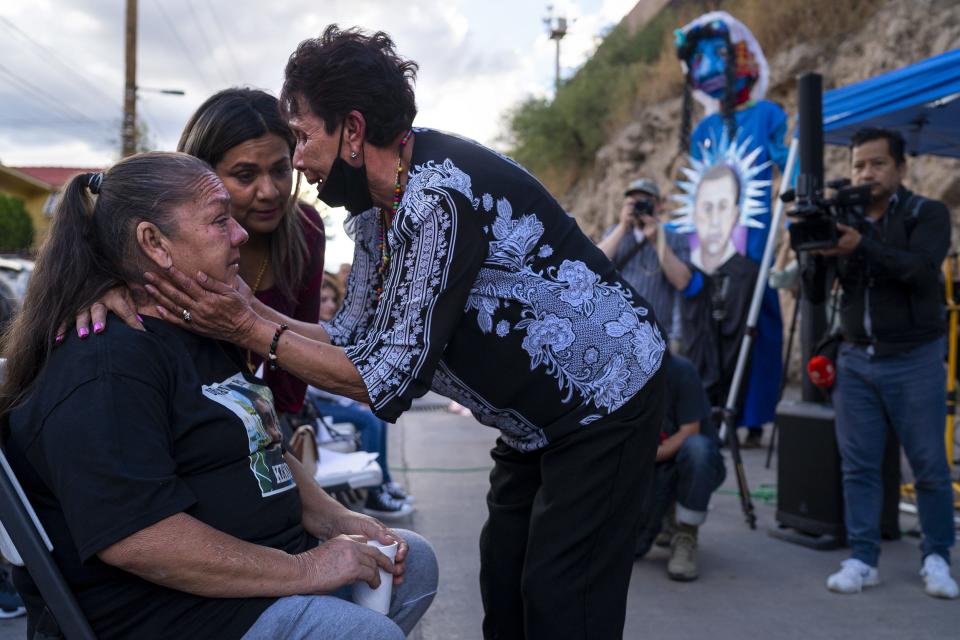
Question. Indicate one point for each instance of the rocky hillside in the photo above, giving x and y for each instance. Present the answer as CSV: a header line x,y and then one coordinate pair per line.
x,y
898,33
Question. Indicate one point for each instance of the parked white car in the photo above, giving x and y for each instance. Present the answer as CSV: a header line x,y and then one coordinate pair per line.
x,y
15,273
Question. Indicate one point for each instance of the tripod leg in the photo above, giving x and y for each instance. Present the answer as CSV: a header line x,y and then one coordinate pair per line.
x,y
746,503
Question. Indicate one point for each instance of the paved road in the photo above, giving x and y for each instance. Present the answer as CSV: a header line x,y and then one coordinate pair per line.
x,y
752,586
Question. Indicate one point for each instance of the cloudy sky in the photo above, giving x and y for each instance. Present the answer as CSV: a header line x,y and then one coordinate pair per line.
x,y
61,62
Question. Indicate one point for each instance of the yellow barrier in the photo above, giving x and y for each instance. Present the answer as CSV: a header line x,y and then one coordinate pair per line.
x,y
953,310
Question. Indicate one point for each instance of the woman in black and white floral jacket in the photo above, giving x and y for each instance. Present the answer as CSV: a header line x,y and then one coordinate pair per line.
x,y
470,279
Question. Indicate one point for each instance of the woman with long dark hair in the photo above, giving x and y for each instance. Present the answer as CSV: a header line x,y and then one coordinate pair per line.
x,y
149,455
239,132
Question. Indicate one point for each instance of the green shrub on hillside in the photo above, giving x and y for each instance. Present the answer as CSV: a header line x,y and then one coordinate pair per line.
x,y
568,131
16,227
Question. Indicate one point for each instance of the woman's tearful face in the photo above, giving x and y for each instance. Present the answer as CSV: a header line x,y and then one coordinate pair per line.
x,y
208,237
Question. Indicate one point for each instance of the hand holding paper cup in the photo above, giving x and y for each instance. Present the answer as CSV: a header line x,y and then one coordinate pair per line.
x,y
377,599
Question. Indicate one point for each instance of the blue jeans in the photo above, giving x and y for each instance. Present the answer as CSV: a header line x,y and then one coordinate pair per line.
x,y
334,617
373,430
689,479
905,391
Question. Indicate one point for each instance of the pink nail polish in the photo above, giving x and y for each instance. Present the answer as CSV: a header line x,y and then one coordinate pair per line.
x,y
140,318
98,327
59,338
83,332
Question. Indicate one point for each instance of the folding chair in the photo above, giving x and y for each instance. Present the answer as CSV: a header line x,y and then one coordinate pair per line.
x,y
24,542
342,475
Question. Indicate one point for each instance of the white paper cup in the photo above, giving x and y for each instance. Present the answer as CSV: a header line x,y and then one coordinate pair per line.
x,y
377,599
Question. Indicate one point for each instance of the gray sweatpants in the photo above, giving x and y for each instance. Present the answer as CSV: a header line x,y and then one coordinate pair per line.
x,y
334,617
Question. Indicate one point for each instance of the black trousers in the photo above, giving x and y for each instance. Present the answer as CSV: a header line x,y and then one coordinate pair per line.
x,y
556,551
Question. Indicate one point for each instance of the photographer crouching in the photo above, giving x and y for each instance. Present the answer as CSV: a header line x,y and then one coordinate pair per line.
x,y
890,368
650,258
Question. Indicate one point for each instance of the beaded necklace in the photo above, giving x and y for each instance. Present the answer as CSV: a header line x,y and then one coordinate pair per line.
x,y
385,221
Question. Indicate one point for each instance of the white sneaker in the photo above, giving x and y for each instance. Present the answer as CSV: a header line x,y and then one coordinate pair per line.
x,y
853,576
937,579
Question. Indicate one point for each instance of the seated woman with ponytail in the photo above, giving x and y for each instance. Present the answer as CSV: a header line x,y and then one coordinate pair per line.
x,y
152,457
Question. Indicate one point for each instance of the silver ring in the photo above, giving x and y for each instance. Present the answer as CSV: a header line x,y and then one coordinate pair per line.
x,y
186,316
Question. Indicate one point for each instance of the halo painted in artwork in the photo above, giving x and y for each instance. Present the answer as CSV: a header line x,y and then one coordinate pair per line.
x,y
740,159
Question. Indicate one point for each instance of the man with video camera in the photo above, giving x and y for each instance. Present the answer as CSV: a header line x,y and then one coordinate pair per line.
x,y
650,258
890,368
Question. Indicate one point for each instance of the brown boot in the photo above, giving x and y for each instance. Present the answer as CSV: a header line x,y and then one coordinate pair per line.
x,y
683,564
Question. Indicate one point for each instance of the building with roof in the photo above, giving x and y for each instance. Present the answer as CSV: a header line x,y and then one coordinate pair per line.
x,y
38,188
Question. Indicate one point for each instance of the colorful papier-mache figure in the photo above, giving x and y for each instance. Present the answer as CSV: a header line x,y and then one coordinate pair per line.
x,y
727,73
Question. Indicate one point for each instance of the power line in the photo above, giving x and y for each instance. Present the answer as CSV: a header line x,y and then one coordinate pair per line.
x,y
52,104
34,122
226,40
55,59
183,45
206,41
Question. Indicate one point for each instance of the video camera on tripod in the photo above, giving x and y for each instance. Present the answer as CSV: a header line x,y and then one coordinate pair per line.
x,y
815,216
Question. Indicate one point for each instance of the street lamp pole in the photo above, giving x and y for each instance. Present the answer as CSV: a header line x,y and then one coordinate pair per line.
x,y
556,29
166,92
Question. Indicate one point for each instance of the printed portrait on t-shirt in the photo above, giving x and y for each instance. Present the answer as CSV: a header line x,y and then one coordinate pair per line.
x,y
253,404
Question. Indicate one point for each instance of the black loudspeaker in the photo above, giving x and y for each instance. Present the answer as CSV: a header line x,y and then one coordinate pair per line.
x,y
809,480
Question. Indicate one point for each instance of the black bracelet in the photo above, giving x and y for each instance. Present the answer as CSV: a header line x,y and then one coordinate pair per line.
x,y
272,356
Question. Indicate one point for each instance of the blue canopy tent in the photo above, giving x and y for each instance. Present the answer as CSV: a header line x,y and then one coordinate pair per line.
x,y
921,101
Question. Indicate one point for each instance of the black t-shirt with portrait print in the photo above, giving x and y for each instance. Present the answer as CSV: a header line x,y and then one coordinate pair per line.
x,y
127,428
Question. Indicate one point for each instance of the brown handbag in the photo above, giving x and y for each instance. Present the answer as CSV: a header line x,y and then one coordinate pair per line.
x,y
303,445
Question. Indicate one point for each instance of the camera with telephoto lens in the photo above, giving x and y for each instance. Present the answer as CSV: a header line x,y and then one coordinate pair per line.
x,y
642,208
815,218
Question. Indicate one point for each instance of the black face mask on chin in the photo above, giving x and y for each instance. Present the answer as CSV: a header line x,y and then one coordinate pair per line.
x,y
346,186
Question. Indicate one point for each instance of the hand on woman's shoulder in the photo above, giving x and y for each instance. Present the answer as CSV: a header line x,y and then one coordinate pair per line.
x,y
119,349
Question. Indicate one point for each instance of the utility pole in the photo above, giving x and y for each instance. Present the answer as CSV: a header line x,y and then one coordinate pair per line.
x,y
557,29
130,86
